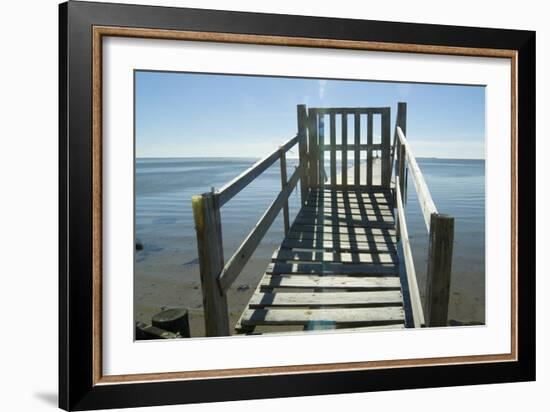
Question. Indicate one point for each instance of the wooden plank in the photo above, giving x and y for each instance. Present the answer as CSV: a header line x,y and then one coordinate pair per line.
x,y
391,297
370,122
332,148
356,152
352,213
344,149
341,237
286,223
362,146
206,212
351,202
344,230
350,110
332,256
424,197
313,156
384,222
322,174
376,315
349,209
401,121
414,293
440,256
302,151
386,146
340,329
229,190
290,243
243,253
330,282
360,190
311,268
401,170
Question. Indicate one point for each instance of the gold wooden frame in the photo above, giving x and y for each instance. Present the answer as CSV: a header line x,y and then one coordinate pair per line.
x,y
101,31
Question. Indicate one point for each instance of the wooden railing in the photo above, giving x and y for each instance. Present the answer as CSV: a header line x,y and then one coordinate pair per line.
x,y
319,118
441,234
216,274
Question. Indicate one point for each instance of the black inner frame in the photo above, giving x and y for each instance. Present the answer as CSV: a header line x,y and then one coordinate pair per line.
x,y
76,389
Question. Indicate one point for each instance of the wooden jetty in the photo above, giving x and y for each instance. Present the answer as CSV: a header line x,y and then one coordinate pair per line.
x,y
346,260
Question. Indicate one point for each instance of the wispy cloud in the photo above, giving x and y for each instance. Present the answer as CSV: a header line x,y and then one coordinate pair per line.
x,y
322,86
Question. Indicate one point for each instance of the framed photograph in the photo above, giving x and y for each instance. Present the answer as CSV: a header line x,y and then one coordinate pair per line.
x,y
256,205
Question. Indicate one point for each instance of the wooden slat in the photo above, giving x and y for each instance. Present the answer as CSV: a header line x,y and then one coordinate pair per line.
x,y
229,190
401,121
391,297
424,197
344,257
332,148
235,264
313,150
313,328
377,315
362,146
344,149
356,152
386,146
349,110
302,150
286,223
349,209
368,212
344,202
322,175
349,190
310,268
345,230
384,222
337,246
416,303
370,122
343,237
330,282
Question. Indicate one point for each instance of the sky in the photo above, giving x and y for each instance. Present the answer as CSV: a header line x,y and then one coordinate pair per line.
x,y
212,115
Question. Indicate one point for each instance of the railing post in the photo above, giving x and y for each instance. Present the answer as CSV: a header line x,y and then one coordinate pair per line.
x,y
400,152
302,150
440,255
282,160
206,212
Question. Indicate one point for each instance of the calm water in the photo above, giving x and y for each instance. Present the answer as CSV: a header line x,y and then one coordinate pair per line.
x,y
164,221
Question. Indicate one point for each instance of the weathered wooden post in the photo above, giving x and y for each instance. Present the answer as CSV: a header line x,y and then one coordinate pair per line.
x,y
313,150
440,256
302,150
206,212
282,161
401,121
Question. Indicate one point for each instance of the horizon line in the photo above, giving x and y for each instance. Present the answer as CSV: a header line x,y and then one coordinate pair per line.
x,y
288,157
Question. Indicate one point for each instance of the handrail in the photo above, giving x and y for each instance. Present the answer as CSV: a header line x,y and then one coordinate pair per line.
x,y
241,256
416,303
216,274
440,249
230,189
424,197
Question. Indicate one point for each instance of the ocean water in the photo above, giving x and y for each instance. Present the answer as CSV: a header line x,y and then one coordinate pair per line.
x,y
167,270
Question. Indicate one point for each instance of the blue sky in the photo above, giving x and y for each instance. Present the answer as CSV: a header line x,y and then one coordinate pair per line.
x,y
203,115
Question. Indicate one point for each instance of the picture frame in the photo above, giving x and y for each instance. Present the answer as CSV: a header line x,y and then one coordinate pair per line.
x,y
83,26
